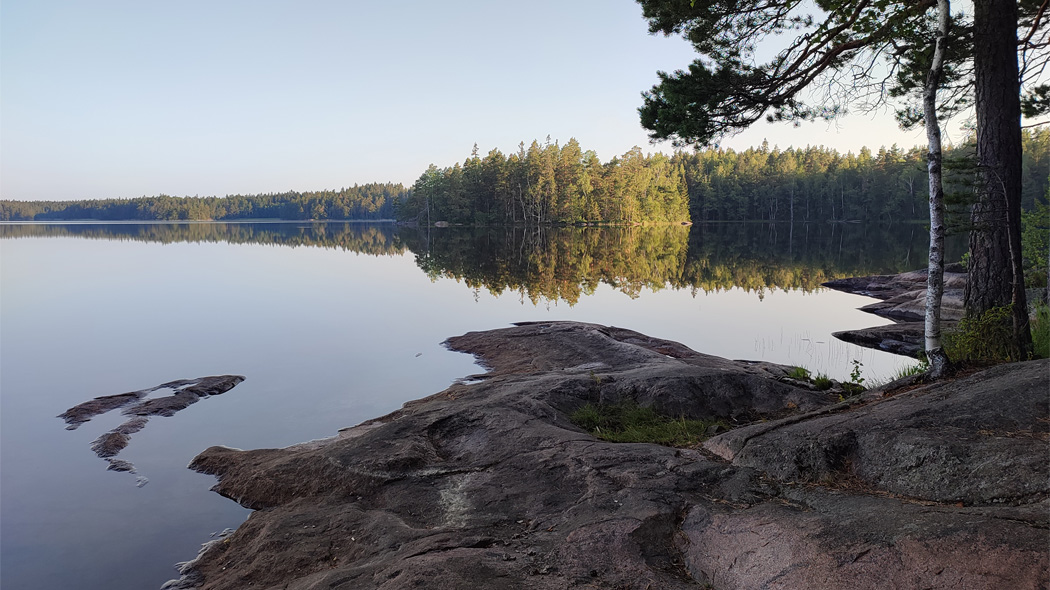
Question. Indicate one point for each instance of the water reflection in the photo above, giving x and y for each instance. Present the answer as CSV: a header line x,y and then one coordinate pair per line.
x,y
566,263
365,238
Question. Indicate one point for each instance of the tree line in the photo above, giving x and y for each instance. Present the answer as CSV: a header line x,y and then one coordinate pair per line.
x,y
373,201
820,184
553,183
550,183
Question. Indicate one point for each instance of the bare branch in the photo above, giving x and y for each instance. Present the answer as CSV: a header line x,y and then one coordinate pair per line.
x,y
1035,25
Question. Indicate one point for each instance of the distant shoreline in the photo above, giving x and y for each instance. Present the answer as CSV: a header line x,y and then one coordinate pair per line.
x,y
187,221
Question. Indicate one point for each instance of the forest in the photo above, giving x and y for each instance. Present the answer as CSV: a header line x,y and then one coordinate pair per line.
x,y
550,183
370,202
562,184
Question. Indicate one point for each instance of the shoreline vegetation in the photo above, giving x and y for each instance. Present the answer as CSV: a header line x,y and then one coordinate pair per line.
x,y
553,184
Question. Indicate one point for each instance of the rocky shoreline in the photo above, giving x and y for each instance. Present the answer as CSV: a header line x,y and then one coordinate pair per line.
x,y
902,299
489,485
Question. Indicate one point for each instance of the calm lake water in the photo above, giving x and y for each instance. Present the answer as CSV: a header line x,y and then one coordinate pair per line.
x,y
333,324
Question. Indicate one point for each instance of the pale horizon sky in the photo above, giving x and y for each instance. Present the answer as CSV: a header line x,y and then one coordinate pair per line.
x,y
121,99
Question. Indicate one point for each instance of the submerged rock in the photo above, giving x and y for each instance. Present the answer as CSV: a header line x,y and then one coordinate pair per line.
x,y
489,485
84,412
120,465
185,392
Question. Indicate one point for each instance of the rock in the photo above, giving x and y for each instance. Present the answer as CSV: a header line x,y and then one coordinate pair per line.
x,y
186,392
109,444
812,540
880,287
489,485
902,297
975,441
906,338
84,412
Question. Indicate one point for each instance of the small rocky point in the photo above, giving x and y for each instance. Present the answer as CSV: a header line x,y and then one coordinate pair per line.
x,y
489,485
902,299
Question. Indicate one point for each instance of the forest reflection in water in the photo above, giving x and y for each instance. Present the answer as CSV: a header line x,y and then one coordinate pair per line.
x,y
566,263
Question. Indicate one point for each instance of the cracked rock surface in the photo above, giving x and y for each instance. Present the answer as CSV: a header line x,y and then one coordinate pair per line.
x,y
488,484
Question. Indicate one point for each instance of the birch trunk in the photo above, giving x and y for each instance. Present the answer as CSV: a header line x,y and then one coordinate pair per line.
x,y
935,281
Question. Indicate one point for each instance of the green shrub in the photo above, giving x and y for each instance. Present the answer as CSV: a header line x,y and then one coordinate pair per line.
x,y
1041,331
799,374
1035,244
984,339
822,382
629,422
853,388
855,375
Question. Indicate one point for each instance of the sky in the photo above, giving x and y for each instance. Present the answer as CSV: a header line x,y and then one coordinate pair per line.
x,y
121,98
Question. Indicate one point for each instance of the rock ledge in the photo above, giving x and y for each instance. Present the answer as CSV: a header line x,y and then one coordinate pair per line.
x,y
488,485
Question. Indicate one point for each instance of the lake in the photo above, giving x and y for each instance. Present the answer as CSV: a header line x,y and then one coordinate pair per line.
x,y
336,323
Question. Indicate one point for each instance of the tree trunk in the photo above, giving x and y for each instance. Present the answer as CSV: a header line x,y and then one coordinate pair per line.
x,y
995,275
939,363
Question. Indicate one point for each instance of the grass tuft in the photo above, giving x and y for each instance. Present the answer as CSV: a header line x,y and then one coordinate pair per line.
x,y
628,422
922,366
822,382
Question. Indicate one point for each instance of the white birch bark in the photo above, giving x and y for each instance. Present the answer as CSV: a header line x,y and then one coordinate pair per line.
x,y
935,281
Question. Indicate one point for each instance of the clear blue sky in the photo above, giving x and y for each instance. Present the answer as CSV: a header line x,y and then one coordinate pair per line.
x,y
120,98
